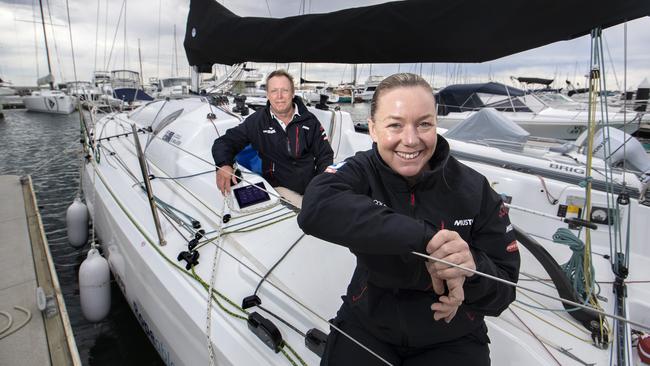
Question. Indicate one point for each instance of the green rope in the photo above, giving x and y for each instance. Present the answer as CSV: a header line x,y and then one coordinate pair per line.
x,y
574,267
295,354
220,295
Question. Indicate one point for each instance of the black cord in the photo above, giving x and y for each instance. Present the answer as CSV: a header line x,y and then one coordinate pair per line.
x,y
184,176
283,321
278,262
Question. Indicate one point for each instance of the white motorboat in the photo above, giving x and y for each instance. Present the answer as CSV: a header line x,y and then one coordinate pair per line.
x,y
458,102
50,101
313,95
490,137
83,90
187,277
366,91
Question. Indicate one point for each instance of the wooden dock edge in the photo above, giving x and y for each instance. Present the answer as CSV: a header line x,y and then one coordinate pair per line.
x,y
60,339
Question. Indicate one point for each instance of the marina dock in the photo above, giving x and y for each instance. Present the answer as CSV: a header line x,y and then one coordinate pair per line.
x,y
29,335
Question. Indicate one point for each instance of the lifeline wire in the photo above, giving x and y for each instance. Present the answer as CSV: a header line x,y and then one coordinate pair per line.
x,y
509,283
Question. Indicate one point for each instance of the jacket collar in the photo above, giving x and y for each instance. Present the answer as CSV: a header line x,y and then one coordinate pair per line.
x,y
428,178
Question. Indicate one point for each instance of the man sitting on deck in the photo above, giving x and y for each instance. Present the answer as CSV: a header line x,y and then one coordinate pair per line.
x,y
290,140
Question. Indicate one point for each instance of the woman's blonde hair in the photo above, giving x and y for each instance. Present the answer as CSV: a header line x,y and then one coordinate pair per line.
x,y
400,80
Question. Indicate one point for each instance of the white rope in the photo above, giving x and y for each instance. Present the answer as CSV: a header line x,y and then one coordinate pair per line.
x,y
9,318
28,317
213,278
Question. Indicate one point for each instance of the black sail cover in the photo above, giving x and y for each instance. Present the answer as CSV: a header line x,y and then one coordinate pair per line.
x,y
398,32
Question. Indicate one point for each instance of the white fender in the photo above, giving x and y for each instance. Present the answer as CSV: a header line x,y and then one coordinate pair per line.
x,y
76,219
94,286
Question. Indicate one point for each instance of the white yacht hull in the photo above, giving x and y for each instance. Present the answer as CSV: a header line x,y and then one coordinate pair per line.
x,y
305,288
59,104
551,123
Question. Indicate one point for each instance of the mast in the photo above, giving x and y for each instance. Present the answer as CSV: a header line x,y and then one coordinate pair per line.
x,y
47,50
96,35
300,81
175,52
125,46
158,52
140,59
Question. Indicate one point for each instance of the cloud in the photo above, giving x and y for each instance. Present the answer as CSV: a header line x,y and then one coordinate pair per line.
x,y
96,37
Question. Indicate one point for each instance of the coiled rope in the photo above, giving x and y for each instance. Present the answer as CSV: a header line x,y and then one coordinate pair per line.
x,y
574,268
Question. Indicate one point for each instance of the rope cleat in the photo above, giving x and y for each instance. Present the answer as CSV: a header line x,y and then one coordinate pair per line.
x,y
192,244
315,341
191,257
250,301
266,331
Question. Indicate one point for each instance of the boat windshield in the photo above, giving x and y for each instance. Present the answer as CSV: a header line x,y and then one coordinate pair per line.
x,y
503,103
170,82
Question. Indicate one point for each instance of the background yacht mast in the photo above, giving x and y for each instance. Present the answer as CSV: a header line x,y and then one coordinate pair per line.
x,y
47,51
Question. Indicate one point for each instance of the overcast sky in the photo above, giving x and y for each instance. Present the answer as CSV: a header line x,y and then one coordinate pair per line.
x,y
99,45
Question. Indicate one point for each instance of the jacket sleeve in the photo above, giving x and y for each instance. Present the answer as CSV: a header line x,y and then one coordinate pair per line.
x,y
495,252
323,154
336,208
226,147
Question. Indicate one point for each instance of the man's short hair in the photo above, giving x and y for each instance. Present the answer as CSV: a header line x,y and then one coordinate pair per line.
x,y
280,72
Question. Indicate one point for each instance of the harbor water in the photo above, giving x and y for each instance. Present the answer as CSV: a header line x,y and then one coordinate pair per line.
x,y
47,147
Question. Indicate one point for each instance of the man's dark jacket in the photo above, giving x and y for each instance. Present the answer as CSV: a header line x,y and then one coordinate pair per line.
x,y
365,206
289,159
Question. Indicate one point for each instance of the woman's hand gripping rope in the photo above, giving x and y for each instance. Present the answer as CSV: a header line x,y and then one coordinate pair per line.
x,y
449,246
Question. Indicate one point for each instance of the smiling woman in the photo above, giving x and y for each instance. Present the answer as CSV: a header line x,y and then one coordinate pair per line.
x,y
404,126
398,198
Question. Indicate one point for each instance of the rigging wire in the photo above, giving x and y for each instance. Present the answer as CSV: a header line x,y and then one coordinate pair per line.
x,y
158,51
535,336
96,35
105,34
38,72
74,63
594,76
56,47
513,284
117,28
570,321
